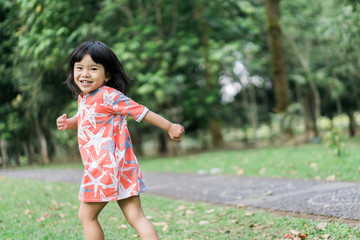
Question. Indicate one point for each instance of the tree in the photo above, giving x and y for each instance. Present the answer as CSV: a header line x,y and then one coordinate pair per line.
x,y
277,55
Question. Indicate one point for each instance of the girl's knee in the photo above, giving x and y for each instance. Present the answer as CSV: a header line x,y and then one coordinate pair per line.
x,y
135,219
83,215
131,208
89,212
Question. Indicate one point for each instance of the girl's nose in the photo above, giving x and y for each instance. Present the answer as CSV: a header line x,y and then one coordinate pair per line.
x,y
85,73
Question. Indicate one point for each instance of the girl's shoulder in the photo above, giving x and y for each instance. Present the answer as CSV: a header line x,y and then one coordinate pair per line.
x,y
108,90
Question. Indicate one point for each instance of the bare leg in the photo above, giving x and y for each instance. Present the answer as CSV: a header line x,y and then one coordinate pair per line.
x,y
131,208
88,215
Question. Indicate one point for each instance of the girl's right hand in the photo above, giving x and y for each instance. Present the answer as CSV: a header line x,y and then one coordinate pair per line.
x,y
61,122
176,131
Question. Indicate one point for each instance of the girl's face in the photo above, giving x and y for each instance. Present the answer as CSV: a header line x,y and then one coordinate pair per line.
x,y
89,75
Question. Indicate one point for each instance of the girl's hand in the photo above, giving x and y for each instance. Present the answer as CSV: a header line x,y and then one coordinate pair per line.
x,y
62,122
176,131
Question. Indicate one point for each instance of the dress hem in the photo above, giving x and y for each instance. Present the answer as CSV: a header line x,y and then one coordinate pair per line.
x,y
115,200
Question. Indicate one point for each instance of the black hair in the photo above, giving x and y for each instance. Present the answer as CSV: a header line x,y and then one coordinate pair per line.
x,y
100,54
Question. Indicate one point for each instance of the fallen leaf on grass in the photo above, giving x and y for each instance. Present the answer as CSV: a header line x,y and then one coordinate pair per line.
x,y
314,166
303,235
257,226
240,171
248,214
122,226
295,235
163,224
43,217
331,178
181,207
294,232
262,170
203,222
28,211
210,211
288,236
189,212
321,226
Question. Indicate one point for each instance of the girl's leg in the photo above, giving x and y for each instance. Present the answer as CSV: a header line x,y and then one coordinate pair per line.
x,y
88,215
131,208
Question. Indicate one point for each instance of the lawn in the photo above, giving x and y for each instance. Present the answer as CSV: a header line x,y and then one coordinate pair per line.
x,y
33,209
42,210
311,161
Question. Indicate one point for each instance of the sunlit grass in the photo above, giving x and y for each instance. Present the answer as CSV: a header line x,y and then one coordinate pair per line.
x,y
311,161
33,209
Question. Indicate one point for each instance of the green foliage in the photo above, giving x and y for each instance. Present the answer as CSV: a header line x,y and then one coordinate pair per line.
x,y
176,52
335,140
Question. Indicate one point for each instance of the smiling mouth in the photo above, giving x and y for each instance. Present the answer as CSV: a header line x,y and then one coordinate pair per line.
x,y
85,81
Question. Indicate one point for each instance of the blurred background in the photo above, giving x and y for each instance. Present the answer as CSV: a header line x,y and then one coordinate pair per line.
x,y
236,73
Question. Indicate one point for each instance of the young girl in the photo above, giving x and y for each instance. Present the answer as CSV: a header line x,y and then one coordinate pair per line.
x,y
97,78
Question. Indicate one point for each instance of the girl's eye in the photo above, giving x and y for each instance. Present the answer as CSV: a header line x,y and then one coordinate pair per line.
x,y
93,69
78,68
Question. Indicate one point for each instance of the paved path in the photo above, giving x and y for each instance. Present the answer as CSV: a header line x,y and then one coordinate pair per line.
x,y
337,199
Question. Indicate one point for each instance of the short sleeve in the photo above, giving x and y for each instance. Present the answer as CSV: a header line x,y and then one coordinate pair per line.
x,y
117,103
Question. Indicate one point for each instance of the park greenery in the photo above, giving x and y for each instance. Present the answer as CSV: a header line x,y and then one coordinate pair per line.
x,y
32,209
222,68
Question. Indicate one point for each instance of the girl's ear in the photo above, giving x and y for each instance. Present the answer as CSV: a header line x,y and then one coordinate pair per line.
x,y
107,77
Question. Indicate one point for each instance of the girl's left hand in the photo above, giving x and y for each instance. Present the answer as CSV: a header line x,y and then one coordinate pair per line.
x,y
62,122
176,131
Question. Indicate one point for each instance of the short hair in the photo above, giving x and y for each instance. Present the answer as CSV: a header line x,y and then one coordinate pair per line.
x,y
100,54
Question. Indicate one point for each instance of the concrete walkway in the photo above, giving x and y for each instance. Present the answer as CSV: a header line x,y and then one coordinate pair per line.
x,y
333,199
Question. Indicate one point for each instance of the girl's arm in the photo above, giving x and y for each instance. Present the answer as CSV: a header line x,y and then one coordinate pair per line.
x,y
175,130
64,123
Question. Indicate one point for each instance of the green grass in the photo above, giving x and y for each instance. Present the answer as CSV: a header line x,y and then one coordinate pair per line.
x,y
43,210
312,161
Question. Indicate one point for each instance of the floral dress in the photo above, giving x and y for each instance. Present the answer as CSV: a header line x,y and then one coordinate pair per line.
x,y
111,168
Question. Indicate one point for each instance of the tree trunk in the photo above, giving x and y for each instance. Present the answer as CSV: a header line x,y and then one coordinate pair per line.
x,y
217,140
163,148
310,114
31,159
338,106
282,100
254,115
26,152
266,110
16,152
137,142
246,104
4,155
352,124
43,144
